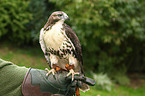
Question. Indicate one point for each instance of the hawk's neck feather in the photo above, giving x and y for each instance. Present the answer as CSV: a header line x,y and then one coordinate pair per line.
x,y
54,37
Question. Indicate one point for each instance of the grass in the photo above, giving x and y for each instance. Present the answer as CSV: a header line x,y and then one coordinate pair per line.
x,y
33,57
29,57
116,91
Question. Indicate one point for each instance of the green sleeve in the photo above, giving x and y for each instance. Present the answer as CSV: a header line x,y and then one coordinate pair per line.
x,y
11,78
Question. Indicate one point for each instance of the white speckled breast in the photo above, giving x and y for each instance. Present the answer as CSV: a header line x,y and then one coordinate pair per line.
x,y
54,37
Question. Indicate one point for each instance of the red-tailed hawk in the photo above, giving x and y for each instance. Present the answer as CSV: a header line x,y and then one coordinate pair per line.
x,y
61,46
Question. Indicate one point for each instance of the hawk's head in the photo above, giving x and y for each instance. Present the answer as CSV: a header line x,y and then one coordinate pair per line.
x,y
58,15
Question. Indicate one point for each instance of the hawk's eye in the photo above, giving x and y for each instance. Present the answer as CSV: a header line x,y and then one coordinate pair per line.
x,y
59,14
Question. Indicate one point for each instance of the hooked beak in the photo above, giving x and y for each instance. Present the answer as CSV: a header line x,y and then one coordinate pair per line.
x,y
65,16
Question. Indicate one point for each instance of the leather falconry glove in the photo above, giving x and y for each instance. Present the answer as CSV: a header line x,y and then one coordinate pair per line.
x,y
36,83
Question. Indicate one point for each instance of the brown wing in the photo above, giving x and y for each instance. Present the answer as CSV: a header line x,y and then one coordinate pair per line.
x,y
74,39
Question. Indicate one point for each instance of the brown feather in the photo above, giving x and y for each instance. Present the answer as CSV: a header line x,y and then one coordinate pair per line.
x,y
74,39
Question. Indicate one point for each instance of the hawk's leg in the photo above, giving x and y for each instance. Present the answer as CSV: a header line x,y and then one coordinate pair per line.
x,y
71,70
50,71
72,64
54,66
53,70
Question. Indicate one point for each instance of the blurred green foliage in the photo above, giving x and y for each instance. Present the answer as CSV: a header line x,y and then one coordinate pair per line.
x,y
112,32
102,81
41,10
121,79
13,19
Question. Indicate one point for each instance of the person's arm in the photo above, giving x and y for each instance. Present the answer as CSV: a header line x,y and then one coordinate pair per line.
x,y
21,81
11,78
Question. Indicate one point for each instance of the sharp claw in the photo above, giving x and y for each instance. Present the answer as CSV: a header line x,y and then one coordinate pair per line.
x,y
46,69
72,77
68,74
71,71
47,74
50,71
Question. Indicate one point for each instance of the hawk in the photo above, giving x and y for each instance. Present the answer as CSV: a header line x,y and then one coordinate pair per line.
x,y
61,46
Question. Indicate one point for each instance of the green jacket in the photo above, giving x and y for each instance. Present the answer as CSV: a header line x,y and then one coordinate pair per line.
x,y
11,78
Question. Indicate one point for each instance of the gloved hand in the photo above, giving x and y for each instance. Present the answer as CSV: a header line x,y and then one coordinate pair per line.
x,y
58,84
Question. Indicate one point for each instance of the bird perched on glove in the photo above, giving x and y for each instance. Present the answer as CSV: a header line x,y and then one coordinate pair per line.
x,y
61,46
